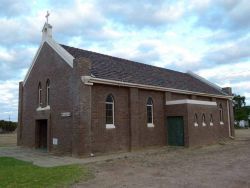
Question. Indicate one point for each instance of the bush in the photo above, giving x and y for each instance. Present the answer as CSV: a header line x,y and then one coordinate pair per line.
x,y
8,126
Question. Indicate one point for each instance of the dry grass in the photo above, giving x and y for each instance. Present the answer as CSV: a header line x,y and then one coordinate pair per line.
x,y
8,140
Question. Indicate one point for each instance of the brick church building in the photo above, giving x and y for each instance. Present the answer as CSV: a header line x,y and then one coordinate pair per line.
x,y
77,102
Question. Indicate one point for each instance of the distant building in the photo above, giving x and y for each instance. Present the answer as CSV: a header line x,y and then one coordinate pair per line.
x,y
78,102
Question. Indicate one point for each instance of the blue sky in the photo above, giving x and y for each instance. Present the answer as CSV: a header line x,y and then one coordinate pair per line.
x,y
210,38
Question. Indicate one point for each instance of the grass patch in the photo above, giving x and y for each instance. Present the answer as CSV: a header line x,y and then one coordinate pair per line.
x,y
16,173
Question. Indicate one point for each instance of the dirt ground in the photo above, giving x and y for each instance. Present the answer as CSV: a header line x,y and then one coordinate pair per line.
x,y
8,140
223,165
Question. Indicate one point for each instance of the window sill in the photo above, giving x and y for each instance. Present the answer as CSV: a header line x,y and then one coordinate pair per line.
x,y
43,108
221,123
150,125
110,126
196,124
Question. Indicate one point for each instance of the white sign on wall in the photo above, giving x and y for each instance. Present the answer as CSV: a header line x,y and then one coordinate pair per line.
x,y
65,114
55,141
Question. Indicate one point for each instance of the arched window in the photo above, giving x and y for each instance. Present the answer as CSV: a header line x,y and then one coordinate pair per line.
x,y
110,108
195,120
150,112
211,120
221,114
203,120
48,92
39,94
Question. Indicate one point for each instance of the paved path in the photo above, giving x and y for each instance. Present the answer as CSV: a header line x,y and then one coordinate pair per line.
x,y
44,159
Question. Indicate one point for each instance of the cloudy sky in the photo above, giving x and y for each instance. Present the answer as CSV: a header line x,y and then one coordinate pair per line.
x,y
210,38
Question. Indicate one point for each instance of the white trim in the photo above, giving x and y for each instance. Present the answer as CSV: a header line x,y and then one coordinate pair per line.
x,y
229,122
86,79
66,56
205,81
150,125
110,126
211,123
189,101
61,51
47,92
113,110
43,108
149,87
203,117
33,62
221,123
39,94
152,113
196,124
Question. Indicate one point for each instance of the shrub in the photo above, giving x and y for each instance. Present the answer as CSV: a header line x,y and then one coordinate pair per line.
x,y
8,126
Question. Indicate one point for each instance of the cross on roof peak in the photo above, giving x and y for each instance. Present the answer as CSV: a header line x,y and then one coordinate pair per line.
x,y
47,17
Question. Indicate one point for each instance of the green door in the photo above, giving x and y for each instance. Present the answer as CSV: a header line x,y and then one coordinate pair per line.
x,y
175,129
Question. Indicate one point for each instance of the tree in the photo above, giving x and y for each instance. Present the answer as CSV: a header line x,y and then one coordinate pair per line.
x,y
241,111
240,114
239,101
7,126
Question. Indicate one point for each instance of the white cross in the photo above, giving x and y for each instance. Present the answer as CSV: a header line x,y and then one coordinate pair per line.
x,y
47,17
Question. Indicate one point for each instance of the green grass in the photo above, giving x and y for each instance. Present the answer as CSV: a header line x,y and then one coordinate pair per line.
x,y
16,173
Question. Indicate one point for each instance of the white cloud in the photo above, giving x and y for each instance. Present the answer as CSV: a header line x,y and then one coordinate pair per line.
x,y
8,101
227,73
243,85
181,35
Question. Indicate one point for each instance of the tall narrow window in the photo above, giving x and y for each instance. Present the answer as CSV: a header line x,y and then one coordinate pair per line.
x,y
48,92
195,120
211,120
150,112
203,120
221,114
39,94
110,112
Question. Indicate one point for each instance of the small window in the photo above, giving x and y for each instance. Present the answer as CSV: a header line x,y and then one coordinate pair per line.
x,y
211,120
110,112
150,112
221,114
48,92
195,120
203,120
39,94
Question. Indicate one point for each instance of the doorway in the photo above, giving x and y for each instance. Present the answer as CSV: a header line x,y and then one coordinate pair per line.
x,y
175,129
42,134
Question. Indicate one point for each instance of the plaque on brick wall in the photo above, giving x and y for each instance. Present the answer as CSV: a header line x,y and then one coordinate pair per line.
x,y
55,141
65,114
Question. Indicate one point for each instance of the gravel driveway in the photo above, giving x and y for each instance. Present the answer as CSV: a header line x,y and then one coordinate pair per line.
x,y
223,165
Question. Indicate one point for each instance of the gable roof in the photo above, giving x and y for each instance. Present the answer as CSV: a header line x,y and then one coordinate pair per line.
x,y
118,69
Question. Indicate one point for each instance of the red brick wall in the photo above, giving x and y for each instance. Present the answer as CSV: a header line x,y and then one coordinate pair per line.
x,y
49,65
85,131
104,140
202,135
151,136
